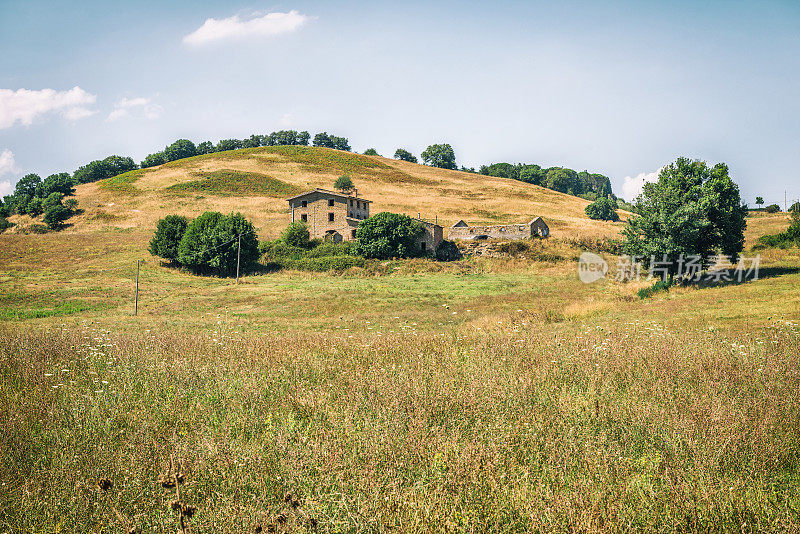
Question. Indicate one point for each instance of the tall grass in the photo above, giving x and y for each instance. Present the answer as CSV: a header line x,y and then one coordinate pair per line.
x,y
630,427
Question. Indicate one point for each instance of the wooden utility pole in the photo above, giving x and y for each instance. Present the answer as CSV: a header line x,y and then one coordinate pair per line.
x,y
136,298
238,257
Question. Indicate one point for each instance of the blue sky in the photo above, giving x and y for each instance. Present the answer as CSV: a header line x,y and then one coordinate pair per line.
x,y
617,87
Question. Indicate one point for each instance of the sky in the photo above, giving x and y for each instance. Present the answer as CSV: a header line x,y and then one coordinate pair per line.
x,y
616,87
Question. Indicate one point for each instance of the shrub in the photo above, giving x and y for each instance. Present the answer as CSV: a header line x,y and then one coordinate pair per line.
x,y
389,235
324,263
209,244
371,152
71,204
514,248
647,292
37,229
602,209
772,208
345,248
795,208
404,155
169,233
5,224
55,216
278,250
447,251
297,235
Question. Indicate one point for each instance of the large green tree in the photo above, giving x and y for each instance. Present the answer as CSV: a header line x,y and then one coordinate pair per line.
x,y
441,155
180,149
389,235
168,235
210,244
691,210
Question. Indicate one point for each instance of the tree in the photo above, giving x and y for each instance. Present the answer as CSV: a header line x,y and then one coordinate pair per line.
x,y
27,185
501,170
34,207
101,169
228,144
57,183
389,235
344,183
404,155
167,237
154,159
53,199
210,244
324,140
180,149
602,209
253,141
297,235
772,208
531,174
55,216
371,152
759,200
561,179
441,156
692,210
206,147
794,208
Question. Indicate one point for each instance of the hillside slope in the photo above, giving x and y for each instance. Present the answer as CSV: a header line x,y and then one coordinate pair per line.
x,y
256,182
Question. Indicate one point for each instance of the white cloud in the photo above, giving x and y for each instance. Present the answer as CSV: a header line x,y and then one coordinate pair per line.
x,y
139,107
236,28
632,187
26,105
287,120
7,166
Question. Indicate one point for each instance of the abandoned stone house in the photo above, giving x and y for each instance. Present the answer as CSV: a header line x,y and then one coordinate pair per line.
x,y
335,216
328,214
534,228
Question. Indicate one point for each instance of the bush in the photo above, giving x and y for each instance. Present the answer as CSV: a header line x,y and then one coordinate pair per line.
x,y
5,224
404,155
371,152
389,235
514,248
55,216
345,248
602,209
278,250
772,208
647,292
209,244
169,233
447,251
34,207
297,235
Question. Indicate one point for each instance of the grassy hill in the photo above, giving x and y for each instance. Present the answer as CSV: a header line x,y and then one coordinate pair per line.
x,y
256,181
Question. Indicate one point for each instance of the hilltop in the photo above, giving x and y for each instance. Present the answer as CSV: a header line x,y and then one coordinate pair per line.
x,y
256,181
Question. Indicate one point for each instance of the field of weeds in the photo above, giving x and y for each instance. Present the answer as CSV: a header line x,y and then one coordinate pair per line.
x,y
486,395
641,425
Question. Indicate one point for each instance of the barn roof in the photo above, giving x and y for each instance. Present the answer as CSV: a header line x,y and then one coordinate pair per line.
x,y
325,192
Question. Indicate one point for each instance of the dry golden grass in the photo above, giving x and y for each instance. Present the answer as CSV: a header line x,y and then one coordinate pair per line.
x,y
391,184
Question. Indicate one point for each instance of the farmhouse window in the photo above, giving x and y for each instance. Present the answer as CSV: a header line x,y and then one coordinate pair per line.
x,y
304,203
304,217
353,233
330,217
330,202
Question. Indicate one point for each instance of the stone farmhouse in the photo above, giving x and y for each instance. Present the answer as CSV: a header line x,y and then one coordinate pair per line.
x,y
335,216
535,228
